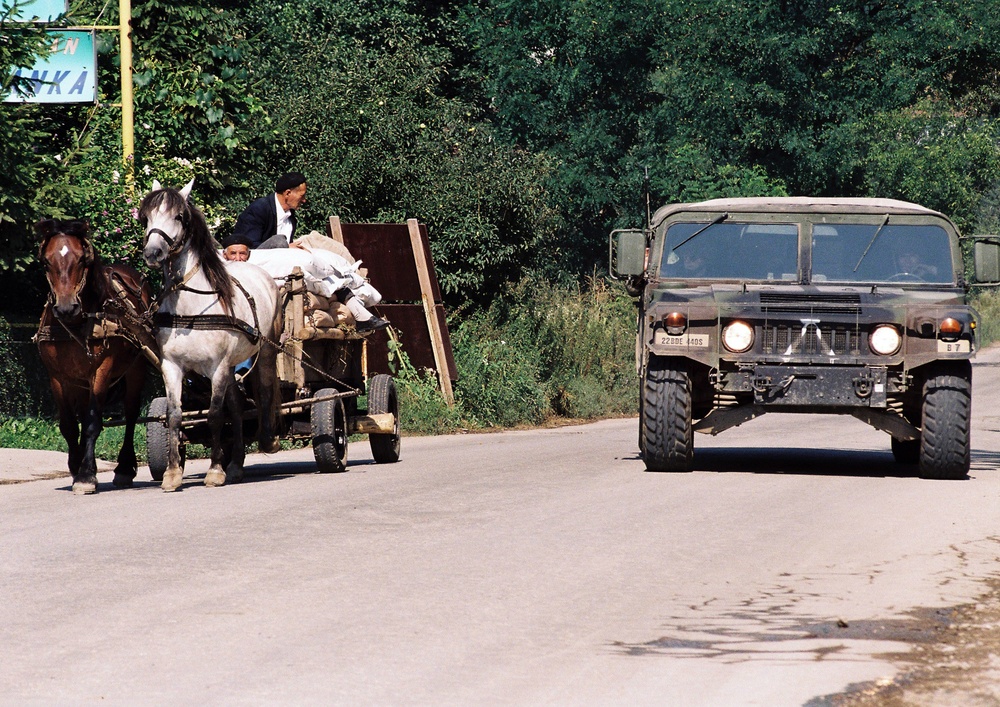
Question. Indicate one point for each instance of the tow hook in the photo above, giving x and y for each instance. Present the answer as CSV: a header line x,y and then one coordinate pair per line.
x,y
863,387
764,386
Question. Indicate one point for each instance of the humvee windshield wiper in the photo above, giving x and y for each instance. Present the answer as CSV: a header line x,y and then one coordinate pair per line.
x,y
871,242
701,230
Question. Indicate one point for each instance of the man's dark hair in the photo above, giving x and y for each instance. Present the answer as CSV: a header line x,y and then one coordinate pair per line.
x,y
289,181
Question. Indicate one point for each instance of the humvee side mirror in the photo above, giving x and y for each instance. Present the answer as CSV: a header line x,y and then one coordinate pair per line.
x,y
986,256
629,257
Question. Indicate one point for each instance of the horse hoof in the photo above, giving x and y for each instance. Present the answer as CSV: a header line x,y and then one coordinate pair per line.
x,y
215,477
123,481
81,488
270,446
172,480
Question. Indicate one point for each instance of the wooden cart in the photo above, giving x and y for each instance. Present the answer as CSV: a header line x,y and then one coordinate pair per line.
x,y
322,373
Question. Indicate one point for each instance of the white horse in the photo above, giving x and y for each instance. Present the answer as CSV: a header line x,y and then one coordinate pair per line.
x,y
211,316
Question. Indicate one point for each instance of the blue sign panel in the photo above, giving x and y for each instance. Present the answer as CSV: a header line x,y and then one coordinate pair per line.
x,y
33,10
67,75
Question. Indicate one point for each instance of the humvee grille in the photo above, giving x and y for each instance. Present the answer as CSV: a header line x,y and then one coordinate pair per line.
x,y
810,340
801,302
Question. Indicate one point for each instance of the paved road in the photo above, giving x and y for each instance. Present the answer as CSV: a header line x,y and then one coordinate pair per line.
x,y
542,567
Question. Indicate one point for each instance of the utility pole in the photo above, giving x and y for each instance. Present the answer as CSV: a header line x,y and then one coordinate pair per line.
x,y
124,28
128,113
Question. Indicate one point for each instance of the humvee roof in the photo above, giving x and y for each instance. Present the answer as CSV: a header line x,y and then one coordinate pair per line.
x,y
799,204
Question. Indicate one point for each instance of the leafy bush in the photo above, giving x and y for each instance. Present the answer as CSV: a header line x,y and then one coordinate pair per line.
x,y
547,349
422,408
499,374
987,303
15,393
370,125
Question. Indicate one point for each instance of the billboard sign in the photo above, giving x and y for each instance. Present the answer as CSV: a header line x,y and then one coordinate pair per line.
x,y
67,75
33,10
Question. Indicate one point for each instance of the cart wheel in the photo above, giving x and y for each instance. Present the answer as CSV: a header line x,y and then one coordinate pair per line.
x,y
157,442
381,399
329,432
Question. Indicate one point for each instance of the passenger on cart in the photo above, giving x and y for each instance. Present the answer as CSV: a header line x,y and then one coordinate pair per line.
x,y
327,262
270,222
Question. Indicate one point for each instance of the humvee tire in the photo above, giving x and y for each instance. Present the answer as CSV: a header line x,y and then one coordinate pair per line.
x,y
947,407
666,418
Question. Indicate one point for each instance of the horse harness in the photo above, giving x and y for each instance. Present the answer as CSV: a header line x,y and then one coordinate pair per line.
x,y
165,320
115,317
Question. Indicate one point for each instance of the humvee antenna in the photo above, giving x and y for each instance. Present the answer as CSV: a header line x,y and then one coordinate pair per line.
x,y
645,189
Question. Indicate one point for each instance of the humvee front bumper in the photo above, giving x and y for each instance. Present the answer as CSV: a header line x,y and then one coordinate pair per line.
x,y
810,386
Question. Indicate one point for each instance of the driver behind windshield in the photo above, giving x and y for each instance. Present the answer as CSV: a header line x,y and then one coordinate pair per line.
x,y
910,262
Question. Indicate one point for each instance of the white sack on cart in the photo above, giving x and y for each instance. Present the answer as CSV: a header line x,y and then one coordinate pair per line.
x,y
324,272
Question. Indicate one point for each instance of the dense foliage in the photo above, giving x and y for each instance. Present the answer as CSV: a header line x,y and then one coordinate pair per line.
x,y
518,130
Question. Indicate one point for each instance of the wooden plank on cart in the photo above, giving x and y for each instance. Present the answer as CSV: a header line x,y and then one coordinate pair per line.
x,y
433,326
400,267
290,360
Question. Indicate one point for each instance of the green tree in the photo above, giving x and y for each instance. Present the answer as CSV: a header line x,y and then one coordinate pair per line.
x,y
35,138
355,101
571,81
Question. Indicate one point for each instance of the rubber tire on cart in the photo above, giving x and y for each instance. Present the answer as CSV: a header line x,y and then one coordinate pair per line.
x,y
382,398
668,443
157,444
329,433
906,451
946,417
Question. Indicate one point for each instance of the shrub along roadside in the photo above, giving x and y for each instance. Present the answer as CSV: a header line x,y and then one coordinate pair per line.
x,y
987,303
540,350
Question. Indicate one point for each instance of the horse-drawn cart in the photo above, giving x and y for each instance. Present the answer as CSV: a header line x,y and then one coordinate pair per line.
x,y
322,373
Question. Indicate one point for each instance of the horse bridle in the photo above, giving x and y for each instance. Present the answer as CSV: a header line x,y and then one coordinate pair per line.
x,y
174,244
88,260
200,321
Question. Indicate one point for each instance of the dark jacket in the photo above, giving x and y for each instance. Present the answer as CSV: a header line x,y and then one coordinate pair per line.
x,y
259,221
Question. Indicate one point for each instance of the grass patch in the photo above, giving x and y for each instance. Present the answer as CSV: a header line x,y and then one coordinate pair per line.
x,y
40,433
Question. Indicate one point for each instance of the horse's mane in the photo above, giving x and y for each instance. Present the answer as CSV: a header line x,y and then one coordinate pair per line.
x,y
199,238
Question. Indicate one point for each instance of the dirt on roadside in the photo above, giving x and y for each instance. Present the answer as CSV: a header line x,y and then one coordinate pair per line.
x,y
959,667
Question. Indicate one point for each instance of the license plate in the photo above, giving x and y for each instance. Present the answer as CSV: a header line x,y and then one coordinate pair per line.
x,y
662,338
953,347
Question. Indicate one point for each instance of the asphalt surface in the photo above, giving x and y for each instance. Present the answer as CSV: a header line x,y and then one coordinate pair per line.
x,y
539,567
21,465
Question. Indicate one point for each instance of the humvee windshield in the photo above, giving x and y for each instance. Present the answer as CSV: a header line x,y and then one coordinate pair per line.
x,y
731,251
897,253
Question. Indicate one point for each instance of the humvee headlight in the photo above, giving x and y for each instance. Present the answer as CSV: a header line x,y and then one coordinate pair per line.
x,y
885,339
950,328
676,323
738,337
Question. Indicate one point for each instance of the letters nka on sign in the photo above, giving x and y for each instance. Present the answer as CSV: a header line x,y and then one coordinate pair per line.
x,y
67,75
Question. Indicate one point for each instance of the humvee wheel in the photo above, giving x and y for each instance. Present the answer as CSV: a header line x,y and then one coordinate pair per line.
x,y
158,441
329,433
906,451
944,442
666,418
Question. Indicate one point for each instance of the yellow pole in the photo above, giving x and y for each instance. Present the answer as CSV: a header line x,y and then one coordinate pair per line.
x,y
128,116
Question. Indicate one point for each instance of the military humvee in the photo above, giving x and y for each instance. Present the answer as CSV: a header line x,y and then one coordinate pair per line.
x,y
802,305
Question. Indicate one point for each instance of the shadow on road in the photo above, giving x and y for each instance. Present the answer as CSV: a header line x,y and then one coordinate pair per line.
x,y
821,462
802,460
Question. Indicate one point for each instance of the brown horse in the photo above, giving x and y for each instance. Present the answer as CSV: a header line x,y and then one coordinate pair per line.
x,y
85,342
